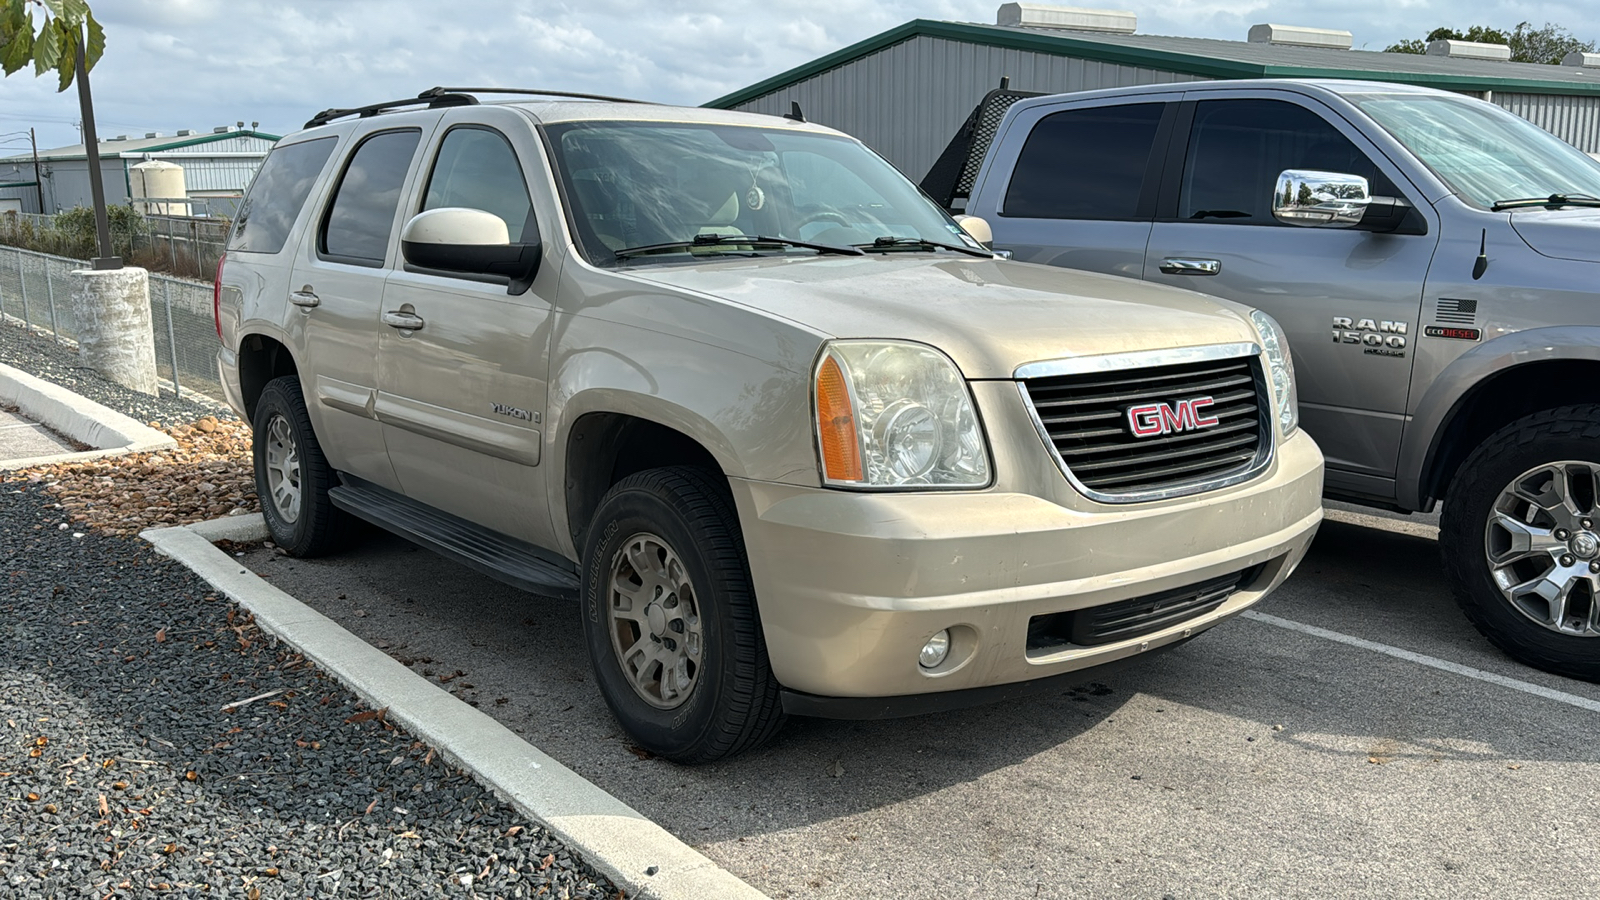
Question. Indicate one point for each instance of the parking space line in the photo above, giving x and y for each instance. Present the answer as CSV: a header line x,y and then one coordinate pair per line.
x,y
1430,661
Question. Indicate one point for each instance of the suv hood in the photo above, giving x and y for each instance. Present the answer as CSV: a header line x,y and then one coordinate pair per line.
x,y
990,316
1562,233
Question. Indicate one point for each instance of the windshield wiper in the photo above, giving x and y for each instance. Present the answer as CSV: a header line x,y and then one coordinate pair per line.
x,y
890,242
1553,201
713,240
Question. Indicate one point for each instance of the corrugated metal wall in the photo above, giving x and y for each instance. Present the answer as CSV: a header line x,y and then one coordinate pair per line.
x,y
907,101
1575,120
201,174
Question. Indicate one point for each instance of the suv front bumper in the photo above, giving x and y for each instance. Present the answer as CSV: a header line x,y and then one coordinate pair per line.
x,y
851,585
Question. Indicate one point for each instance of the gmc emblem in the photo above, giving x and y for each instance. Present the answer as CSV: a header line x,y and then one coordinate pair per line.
x,y
1160,418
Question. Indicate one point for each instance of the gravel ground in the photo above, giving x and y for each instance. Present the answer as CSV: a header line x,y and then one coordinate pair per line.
x,y
153,741
46,359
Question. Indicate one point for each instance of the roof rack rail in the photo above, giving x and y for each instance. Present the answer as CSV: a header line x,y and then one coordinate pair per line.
x,y
433,99
445,91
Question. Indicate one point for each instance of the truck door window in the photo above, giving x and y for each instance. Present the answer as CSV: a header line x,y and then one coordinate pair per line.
x,y
1237,148
477,169
361,216
275,197
1084,163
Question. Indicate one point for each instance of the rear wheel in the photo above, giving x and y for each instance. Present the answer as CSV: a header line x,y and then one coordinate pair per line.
x,y
670,619
292,475
1520,534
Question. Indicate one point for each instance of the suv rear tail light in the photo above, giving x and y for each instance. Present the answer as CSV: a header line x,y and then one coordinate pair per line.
x,y
216,295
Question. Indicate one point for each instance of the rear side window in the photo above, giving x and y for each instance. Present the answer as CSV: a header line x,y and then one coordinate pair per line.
x,y
277,194
1237,148
361,218
1084,164
477,169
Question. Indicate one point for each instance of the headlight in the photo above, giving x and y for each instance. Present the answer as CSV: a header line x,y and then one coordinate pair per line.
x,y
1280,371
896,415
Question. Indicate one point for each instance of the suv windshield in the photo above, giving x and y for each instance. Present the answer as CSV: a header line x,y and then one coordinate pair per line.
x,y
639,185
1487,155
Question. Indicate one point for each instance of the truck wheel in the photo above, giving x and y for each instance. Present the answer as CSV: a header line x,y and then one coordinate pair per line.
x,y
670,618
292,475
1520,534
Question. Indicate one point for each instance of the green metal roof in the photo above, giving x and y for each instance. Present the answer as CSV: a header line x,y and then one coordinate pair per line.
x,y
1210,58
135,147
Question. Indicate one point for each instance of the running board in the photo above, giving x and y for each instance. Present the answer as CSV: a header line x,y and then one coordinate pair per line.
x,y
505,559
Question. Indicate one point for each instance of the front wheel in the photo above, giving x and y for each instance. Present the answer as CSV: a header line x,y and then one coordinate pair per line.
x,y
1520,534
670,619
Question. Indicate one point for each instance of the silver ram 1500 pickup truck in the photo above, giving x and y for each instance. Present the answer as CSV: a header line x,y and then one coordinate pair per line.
x,y
1434,261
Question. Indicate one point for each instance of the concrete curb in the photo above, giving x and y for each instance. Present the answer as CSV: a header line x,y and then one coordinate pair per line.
x,y
76,417
638,855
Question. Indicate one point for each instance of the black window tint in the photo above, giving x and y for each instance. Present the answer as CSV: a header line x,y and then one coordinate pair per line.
x,y
1084,164
359,222
277,194
477,169
1237,148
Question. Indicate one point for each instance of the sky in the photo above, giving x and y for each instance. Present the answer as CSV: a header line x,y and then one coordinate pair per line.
x,y
172,64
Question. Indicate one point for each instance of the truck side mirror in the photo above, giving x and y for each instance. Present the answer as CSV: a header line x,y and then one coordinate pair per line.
x,y
978,229
1311,198
471,242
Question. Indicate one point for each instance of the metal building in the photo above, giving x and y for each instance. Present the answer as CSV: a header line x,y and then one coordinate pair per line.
x,y
906,91
217,167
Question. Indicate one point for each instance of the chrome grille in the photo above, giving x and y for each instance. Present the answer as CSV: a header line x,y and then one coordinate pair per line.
x,y
1085,417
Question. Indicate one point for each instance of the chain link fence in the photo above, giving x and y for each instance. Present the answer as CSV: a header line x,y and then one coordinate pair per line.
x,y
182,246
36,293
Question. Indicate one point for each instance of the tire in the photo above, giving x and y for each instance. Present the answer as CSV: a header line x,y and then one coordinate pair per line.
x,y
672,534
1520,476
292,475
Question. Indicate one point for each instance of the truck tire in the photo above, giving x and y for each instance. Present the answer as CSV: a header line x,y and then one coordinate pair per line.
x,y
1520,536
292,475
670,618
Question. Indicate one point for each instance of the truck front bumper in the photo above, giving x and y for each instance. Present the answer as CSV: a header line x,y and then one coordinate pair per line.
x,y
852,585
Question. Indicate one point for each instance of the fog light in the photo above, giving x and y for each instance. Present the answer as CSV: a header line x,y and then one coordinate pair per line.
x,y
935,650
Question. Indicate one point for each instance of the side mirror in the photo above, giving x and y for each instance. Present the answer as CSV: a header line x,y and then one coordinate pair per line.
x,y
978,229
1311,198
469,241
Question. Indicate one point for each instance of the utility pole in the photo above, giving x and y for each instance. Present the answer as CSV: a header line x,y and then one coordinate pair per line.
x,y
91,145
38,180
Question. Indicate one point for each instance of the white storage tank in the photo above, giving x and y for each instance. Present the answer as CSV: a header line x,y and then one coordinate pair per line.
x,y
159,180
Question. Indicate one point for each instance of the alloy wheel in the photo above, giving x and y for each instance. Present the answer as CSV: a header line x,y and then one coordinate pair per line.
x,y
283,470
1543,549
653,616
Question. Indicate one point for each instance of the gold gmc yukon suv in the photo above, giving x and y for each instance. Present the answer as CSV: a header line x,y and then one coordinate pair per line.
x,y
796,441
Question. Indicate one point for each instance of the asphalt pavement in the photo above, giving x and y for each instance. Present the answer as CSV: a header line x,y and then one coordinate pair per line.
x,y
1353,738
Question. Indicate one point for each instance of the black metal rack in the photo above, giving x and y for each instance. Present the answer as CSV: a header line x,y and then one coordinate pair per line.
x,y
437,97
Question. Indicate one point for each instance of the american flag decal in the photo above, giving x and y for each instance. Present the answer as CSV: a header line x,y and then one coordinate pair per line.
x,y
1457,312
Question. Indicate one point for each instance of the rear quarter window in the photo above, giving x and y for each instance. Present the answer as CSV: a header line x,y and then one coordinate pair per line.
x,y
1084,164
277,195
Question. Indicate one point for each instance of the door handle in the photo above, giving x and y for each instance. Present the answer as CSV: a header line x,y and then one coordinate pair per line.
x,y
304,299
402,320
1175,266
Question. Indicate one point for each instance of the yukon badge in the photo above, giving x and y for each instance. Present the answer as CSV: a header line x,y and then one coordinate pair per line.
x,y
514,412
1152,419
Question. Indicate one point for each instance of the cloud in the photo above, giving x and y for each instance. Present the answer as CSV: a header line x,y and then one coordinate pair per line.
x,y
174,64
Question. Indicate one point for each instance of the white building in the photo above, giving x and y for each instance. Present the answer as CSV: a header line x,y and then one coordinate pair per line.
x,y
217,167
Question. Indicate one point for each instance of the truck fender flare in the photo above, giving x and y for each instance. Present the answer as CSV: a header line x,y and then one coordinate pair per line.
x,y
1449,392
